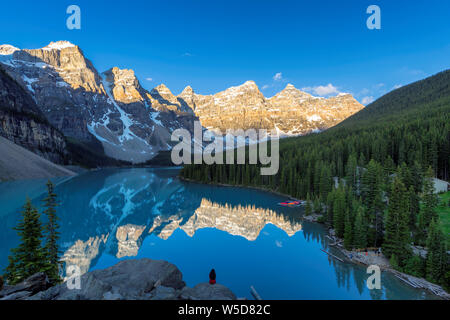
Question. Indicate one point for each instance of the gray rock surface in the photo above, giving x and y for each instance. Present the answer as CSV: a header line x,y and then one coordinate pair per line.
x,y
34,284
206,291
142,279
129,280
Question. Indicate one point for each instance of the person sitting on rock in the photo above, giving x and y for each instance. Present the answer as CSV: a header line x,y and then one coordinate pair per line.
x,y
212,277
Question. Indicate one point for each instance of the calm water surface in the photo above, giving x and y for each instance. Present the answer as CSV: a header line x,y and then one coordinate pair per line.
x,y
115,214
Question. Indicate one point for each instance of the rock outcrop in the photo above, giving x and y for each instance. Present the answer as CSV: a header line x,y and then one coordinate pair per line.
x,y
31,286
143,279
22,122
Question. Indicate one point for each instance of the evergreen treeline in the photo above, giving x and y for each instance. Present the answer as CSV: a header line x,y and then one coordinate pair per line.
x,y
392,212
383,153
38,250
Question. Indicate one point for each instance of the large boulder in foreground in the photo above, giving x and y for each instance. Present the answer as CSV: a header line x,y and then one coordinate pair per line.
x,y
142,279
127,280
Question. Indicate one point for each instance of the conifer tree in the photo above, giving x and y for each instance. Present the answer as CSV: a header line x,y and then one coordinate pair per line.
x,y
326,182
417,177
436,257
308,208
397,234
339,206
317,205
430,202
351,172
29,257
415,266
362,160
405,175
348,233
330,202
393,261
414,207
372,193
360,237
51,234
389,165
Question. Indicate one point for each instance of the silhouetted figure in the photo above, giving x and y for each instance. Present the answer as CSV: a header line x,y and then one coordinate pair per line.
x,y
212,277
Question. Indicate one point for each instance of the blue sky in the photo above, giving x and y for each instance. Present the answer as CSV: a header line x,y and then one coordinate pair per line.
x,y
323,46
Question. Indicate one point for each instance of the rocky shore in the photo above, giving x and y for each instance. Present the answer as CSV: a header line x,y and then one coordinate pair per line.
x,y
372,258
142,279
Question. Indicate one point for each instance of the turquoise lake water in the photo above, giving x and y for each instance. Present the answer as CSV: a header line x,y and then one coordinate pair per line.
x,y
115,214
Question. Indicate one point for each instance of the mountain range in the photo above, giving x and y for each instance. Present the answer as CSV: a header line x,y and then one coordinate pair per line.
x,y
110,113
408,126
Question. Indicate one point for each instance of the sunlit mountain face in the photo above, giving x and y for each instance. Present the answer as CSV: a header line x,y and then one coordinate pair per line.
x,y
114,214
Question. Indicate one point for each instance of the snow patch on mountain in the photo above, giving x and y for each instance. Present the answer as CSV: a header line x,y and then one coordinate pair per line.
x,y
154,117
59,45
7,50
29,83
314,118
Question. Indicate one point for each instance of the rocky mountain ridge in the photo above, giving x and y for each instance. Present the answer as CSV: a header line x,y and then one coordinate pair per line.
x,y
134,124
289,112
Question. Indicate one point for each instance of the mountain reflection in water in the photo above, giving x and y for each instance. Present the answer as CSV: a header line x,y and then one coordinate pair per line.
x,y
129,208
114,214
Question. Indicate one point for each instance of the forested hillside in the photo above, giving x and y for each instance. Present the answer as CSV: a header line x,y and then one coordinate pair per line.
x,y
408,125
385,157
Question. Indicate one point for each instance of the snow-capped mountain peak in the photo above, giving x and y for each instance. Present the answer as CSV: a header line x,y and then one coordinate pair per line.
x,y
59,45
7,49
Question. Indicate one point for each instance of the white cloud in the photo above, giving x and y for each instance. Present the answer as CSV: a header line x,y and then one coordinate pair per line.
x,y
397,86
323,90
187,54
278,76
266,86
149,79
279,244
367,100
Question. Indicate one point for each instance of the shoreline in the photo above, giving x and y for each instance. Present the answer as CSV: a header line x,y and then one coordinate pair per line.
x,y
358,258
241,186
412,281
